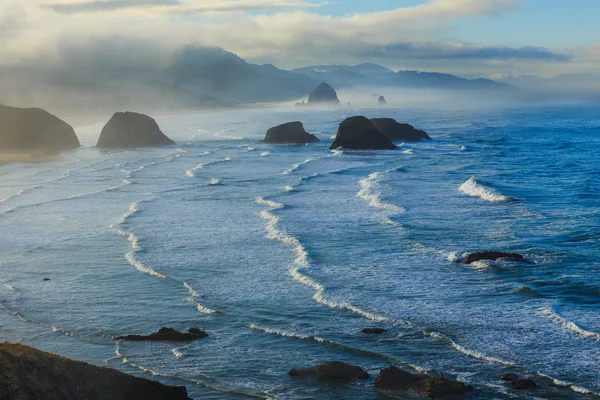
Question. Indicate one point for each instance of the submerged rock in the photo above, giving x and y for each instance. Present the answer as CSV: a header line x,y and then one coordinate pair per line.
x,y
491,256
396,131
30,374
373,331
132,130
382,101
509,377
167,335
323,94
335,370
393,378
359,134
34,129
523,384
291,132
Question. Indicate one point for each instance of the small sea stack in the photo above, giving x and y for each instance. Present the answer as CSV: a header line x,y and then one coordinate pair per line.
x,y
290,132
422,385
323,94
129,130
167,335
491,256
358,133
34,129
396,131
382,101
333,370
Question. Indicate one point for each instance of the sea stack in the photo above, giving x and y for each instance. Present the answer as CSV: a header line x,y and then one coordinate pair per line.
x,y
382,101
132,130
34,129
358,133
291,132
323,94
397,131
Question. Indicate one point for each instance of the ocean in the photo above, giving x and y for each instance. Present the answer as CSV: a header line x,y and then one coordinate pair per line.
x,y
283,254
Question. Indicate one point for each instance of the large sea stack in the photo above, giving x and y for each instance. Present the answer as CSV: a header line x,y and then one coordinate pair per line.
x,y
34,129
323,94
291,132
30,374
358,133
132,130
397,131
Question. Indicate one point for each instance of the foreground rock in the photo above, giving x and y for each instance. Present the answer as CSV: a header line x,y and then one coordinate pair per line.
x,y
373,331
30,374
167,335
491,256
291,132
323,94
382,101
335,370
33,129
393,378
397,131
132,130
358,133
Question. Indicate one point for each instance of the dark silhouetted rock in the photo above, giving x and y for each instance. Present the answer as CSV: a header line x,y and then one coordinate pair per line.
x,y
291,132
397,131
323,94
46,279
33,129
335,370
132,130
523,384
491,256
393,378
30,374
359,134
509,377
382,101
373,331
167,335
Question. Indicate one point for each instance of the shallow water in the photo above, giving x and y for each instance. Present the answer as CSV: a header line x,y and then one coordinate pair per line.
x,y
285,253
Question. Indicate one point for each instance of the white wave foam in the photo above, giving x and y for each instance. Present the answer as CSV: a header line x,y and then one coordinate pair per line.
x,y
474,189
297,166
570,325
250,149
215,181
205,310
289,188
190,289
568,385
190,172
471,353
222,134
283,333
177,353
370,191
408,152
10,287
265,153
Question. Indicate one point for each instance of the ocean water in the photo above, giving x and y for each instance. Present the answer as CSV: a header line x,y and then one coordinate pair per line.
x,y
283,254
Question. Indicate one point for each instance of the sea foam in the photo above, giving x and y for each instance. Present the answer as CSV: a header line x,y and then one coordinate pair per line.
x,y
473,188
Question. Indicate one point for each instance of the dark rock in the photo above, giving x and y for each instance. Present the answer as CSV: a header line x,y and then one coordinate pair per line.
x,y
381,101
46,279
132,130
30,374
335,370
323,94
523,384
291,132
26,129
359,134
373,331
167,335
397,131
393,378
491,256
509,377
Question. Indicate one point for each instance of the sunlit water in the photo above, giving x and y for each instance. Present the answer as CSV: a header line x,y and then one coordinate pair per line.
x,y
283,254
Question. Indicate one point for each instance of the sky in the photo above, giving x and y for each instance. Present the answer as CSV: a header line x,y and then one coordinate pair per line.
x,y
499,39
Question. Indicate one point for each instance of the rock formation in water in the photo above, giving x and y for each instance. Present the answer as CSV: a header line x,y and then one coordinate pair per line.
x,y
323,94
167,335
373,331
291,132
491,256
33,129
335,370
132,130
393,378
30,374
397,131
358,133
382,101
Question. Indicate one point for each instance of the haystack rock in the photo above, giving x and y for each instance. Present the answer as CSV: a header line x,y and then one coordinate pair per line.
x,y
323,94
382,101
30,374
291,132
397,131
358,133
132,130
26,129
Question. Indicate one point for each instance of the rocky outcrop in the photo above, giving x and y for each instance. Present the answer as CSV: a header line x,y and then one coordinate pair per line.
x,y
491,256
167,335
358,133
335,370
397,131
523,384
291,132
323,94
30,374
382,101
393,378
132,130
34,129
373,331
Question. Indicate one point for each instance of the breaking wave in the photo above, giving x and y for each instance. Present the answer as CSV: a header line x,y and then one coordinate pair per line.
x,y
474,189
554,315
370,191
